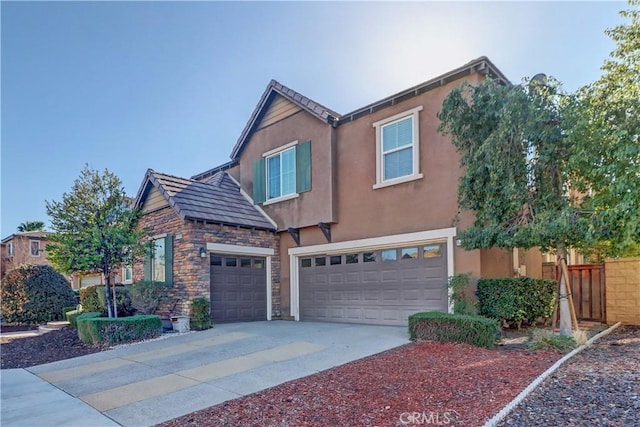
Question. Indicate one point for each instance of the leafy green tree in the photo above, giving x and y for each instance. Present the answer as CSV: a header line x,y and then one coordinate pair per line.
x,y
513,146
606,133
31,226
95,228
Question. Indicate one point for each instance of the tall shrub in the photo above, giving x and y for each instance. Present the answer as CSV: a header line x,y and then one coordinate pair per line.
x,y
34,294
146,296
516,300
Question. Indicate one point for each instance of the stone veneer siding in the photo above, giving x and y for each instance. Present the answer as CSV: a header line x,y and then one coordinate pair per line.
x,y
191,273
623,290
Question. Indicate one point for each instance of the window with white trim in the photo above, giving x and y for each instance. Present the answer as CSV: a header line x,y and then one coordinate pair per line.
x,y
10,249
127,274
35,248
398,148
281,174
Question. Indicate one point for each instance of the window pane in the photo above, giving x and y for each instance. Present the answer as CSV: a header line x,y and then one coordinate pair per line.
x,y
409,253
397,134
352,259
399,163
273,177
216,260
35,248
258,263
245,262
128,273
321,261
231,261
389,255
288,171
369,257
335,259
157,264
432,251
305,262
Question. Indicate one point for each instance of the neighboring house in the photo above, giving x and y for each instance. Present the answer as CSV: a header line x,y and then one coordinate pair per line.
x,y
323,216
27,247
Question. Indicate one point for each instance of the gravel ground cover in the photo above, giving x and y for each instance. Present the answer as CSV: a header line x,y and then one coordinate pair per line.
x,y
421,383
598,387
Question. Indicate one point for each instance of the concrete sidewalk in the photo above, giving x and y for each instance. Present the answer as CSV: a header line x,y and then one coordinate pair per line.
x,y
148,383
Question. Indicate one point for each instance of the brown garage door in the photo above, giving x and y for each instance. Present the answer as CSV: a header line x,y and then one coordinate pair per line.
x,y
379,287
238,288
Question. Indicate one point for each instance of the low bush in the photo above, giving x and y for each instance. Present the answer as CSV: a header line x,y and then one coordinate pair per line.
x,y
33,294
462,294
516,300
201,314
146,296
475,330
123,300
94,299
542,339
103,330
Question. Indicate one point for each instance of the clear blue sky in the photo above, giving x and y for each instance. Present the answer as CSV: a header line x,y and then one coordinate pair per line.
x,y
134,85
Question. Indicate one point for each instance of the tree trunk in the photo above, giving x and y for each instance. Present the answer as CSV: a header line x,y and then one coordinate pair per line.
x,y
107,290
564,294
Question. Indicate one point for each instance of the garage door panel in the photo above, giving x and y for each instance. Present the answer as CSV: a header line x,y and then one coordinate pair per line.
x,y
238,289
375,292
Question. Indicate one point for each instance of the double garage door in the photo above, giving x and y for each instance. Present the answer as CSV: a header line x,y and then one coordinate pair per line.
x,y
238,288
379,287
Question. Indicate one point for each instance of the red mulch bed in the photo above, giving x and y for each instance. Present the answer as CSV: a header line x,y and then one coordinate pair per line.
x,y
424,383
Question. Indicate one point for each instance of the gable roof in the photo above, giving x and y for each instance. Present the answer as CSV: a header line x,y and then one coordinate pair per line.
x,y
216,200
480,65
274,89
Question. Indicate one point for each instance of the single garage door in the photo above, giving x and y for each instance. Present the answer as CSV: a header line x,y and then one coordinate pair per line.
x,y
380,287
238,288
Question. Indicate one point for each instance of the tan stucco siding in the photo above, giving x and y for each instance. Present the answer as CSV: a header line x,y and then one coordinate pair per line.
x,y
310,207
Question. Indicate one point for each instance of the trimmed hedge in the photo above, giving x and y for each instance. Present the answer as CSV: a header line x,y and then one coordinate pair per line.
x,y
104,330
515,300
33,294
475,330
72,317
65,310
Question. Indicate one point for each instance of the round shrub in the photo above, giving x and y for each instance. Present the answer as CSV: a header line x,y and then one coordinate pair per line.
x,y
33,294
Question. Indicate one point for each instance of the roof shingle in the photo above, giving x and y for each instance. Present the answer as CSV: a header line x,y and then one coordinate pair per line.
x,y
217,199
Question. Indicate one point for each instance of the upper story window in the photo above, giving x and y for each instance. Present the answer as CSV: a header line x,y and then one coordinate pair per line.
x,y
283,173
34,248
398,148
10,249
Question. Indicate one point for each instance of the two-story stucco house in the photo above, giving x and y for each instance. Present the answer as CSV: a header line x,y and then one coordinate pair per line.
x,y
320,215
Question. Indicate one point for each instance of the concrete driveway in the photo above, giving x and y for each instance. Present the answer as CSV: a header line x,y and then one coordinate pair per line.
x,y
148,383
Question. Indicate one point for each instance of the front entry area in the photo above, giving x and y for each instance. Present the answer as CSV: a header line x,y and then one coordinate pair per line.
x,y
238,288
381,287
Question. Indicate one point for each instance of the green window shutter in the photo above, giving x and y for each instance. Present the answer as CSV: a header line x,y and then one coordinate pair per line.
x,y
168,259
259,185
303,167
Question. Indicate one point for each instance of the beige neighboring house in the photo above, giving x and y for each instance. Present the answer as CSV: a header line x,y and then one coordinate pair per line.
x,y
28,247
